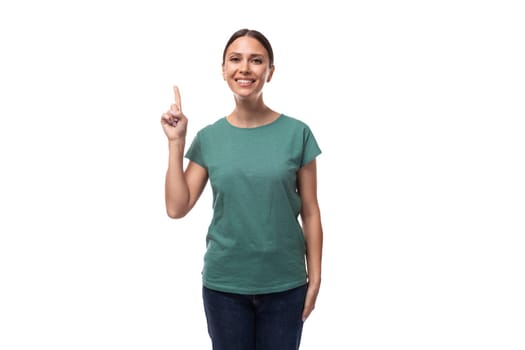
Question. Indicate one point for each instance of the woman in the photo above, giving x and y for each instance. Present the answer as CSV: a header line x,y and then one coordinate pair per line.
x,y
257,287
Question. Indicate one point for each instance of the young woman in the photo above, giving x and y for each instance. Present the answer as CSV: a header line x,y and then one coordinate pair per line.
x,y
262,266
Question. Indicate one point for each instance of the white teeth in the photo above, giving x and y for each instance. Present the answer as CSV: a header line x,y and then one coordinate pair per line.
x,y
242,81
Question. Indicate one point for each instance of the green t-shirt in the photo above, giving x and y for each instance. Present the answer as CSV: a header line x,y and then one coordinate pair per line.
x,y
255,243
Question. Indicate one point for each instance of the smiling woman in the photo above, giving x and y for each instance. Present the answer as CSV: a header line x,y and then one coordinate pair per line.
x,y
247,65
262,266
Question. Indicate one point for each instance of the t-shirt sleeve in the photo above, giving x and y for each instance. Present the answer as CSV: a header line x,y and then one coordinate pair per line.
x,y
194,153
310,147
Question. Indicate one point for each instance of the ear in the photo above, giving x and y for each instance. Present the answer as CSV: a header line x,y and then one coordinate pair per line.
x,y
270,74
223,73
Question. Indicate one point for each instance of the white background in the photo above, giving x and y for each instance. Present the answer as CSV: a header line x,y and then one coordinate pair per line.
x,y
418,107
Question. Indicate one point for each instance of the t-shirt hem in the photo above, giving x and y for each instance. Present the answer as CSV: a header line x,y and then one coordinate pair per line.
x,y
312,157
195,161
251,291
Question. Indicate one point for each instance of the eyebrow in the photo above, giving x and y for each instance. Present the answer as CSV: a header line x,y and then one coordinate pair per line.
x,y
251,55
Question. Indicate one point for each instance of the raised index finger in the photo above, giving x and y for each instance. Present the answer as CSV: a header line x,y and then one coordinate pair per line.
x,y
177,97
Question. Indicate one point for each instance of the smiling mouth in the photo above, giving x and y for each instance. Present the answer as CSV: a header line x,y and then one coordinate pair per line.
x,y
245,82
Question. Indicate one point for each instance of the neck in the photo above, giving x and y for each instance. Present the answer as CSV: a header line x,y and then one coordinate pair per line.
x,y
249,114
247,105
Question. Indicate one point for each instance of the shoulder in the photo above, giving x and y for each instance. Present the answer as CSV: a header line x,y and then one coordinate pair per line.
x,y
212,128
295,123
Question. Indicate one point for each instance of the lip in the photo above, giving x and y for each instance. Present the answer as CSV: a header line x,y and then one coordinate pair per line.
x,y
244,81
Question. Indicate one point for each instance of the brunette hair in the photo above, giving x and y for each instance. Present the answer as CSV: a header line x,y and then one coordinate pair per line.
x,y
252,34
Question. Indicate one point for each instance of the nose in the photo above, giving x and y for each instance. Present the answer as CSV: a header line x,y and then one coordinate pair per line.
x,y
245,67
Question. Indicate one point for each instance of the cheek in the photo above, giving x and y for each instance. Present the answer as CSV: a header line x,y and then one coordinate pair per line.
x,y
227,73
268,76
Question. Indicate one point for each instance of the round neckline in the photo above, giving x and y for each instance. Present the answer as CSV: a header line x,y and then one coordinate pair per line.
x,y
255,127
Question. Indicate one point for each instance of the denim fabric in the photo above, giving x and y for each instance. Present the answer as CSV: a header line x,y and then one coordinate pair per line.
x,y
255,322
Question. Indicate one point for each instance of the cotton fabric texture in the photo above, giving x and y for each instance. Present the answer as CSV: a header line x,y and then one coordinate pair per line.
x,y
255,243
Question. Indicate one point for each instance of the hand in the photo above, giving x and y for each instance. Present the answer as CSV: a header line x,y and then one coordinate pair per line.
x,y
311,297
174,122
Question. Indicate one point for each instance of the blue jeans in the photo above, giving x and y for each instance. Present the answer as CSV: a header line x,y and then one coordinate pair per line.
x,y
255,322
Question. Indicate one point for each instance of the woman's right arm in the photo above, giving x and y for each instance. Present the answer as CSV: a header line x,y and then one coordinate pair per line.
x,y
182,188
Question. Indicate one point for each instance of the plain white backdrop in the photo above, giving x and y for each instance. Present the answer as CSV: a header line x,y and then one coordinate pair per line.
x,y
418,107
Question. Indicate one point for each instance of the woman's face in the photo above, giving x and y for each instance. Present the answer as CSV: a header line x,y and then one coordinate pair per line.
x,y
246,67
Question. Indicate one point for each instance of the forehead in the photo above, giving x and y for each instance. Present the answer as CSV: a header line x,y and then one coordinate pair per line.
x,y
246,44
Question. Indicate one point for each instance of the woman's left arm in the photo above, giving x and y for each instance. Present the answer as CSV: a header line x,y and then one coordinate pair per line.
x,y
313,231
